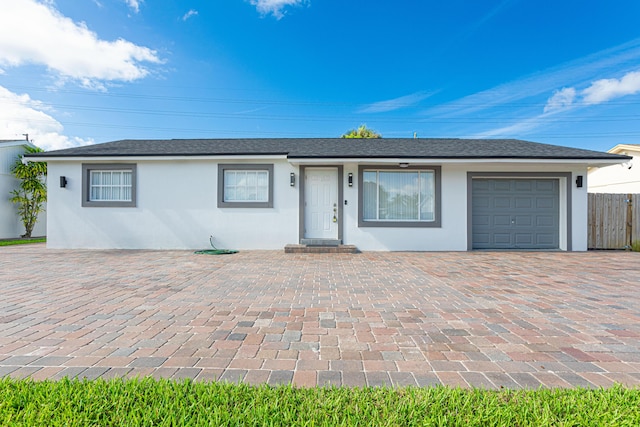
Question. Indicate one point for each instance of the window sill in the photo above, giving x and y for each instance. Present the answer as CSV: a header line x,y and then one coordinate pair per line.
x,y
105,204
249,205
400,224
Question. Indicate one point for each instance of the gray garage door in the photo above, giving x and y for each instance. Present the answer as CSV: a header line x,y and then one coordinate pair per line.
x,y
515,213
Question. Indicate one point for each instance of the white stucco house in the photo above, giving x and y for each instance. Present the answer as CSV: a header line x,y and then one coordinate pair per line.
x,y
623,178
10,225
376,194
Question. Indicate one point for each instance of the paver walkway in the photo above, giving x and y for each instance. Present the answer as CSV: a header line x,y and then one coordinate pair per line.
x,y
486,319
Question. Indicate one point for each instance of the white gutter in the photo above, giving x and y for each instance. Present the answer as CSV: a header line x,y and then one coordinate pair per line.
x,y
589,162
124,159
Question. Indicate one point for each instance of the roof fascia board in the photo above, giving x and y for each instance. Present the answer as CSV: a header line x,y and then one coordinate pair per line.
x,y
461,160
326,160
18,143
624,147
162,158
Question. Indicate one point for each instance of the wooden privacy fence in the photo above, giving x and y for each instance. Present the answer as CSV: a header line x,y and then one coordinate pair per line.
x,y
614,220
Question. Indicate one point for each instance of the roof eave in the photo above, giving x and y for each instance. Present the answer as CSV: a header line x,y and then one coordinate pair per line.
x,y
157,157
591,161
469,159
624,147
17,143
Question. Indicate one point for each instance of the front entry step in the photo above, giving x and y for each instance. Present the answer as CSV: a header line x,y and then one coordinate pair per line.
x,y
320,242
307,249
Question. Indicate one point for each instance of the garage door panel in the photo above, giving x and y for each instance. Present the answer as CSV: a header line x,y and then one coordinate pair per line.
x,y
482,238
502,238
524,238
523,221
544,239
523,202
545,203
544,221
501,185
481,203
482,220
545,186
501,202
522,185
515,213
500,220
480,185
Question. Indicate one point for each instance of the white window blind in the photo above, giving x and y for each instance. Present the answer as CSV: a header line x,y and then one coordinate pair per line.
x,y
399,195
110,186
246,186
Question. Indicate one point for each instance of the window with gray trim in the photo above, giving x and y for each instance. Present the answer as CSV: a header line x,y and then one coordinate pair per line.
x,y
245,185
109,185
399,197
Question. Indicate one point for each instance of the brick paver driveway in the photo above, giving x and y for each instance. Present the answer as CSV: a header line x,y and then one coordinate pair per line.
x,y
487,319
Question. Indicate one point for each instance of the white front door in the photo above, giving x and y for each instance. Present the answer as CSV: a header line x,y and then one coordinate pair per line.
x,y
321,203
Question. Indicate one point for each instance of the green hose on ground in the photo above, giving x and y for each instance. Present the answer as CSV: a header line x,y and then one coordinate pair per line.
x,y
216,251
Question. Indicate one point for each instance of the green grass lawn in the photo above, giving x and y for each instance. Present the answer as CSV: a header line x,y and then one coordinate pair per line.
x,y
149,402
22,241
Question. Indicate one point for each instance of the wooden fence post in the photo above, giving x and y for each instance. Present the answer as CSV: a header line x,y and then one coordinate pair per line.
x,y
629,229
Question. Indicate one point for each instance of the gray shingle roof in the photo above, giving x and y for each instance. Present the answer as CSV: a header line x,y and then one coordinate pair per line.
x,y
334,148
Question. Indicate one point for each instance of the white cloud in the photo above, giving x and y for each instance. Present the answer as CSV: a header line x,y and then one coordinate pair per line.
x,y
524,125
560,99
134,4
67,48
19,114
597,92
396,103
518,103
576,73
274,7
607,89
189,14
568,98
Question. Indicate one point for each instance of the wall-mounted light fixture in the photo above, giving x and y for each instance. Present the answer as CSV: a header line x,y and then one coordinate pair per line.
x,y
63,181
579,181
403,165
292,179
350,179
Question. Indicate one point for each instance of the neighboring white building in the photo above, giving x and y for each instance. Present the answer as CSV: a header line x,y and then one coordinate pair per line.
x,y
376,194
619,179
10,224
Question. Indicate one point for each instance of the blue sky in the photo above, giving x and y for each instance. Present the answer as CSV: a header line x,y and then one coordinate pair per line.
x,y
80,72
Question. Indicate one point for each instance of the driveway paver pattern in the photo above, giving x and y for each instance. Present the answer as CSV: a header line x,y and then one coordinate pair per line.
x,y
482,319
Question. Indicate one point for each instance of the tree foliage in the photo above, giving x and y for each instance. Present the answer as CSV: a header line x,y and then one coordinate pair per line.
x,y
32,191
362,132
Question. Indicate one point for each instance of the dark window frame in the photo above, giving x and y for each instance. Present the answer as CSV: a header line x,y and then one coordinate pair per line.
x,y
87,168
222,167
437,221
